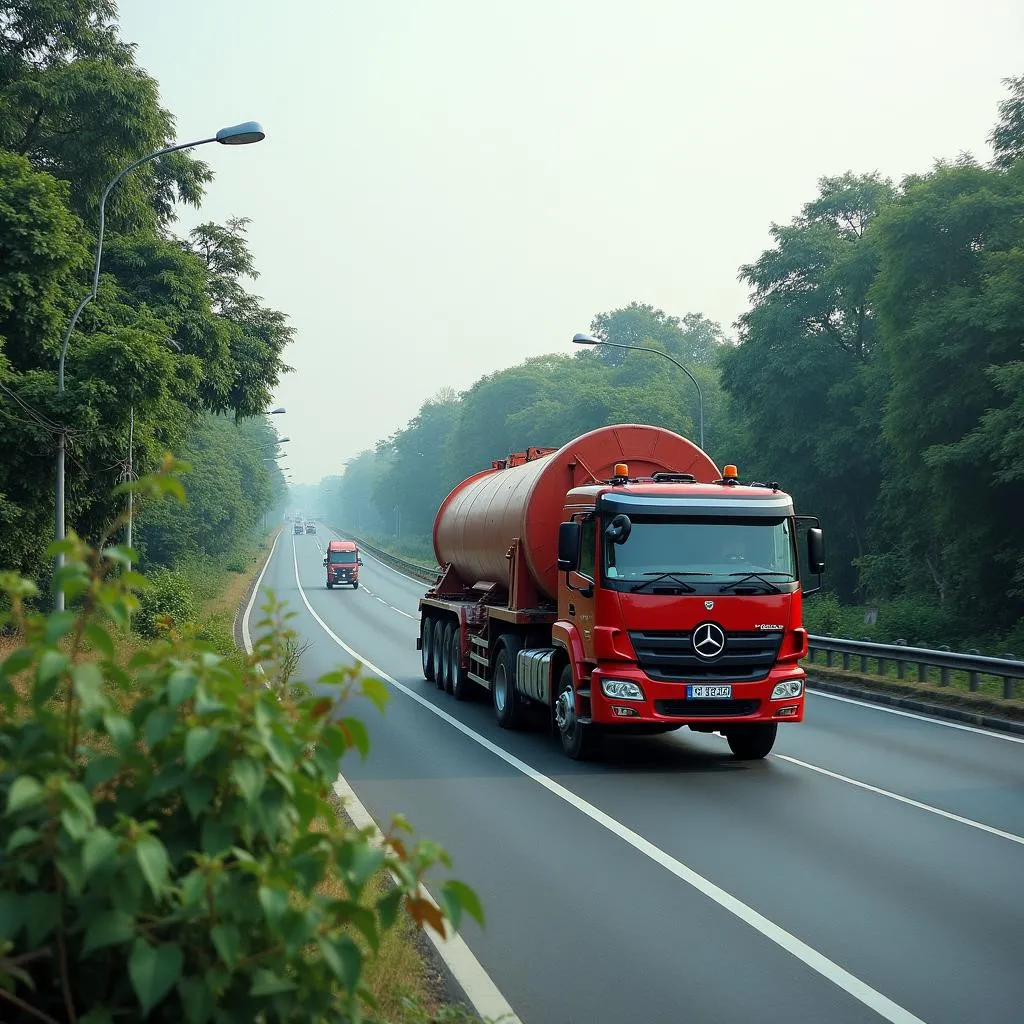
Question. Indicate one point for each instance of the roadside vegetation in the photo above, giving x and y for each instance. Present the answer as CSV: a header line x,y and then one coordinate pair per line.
x,y
877,376
173,847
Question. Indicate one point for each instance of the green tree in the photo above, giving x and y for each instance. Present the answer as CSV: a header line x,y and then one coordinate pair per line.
x,y
1007,137
802,380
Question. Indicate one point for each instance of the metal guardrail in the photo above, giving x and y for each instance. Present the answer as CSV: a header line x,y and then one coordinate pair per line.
x,y
1008,669
975,666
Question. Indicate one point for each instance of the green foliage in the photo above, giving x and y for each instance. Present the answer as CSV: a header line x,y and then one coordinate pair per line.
x,y
167,602
157,821
173,331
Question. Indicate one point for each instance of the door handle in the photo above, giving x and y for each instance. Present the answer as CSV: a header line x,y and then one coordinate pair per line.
x,y
572,608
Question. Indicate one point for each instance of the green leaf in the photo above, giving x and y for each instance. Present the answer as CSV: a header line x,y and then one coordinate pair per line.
x,y
388,906
99,848
198,794
217,836
25,792
376,692
101,768
88,684
158,725
266,983
51,665
22,836
180,686
153,972
356,735
42,912
274,902
13,907
227,940
344,959
198,1000
199,744
153,862
17,662
100,639
75,823
249,776
109,929
77,796
120,730
122,555
58,624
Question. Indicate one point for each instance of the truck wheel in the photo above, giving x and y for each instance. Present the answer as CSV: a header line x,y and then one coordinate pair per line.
x,y
507,703
578,741
443,644
426,649
330,585
752,742
355,586
458,677
437,653
451,658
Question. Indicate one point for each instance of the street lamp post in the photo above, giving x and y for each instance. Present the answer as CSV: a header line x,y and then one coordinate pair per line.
x,y
586,339
235,135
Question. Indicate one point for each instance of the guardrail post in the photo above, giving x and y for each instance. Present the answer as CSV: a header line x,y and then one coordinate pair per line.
x,y
846,660
883,667
922,672
1007,687
972,683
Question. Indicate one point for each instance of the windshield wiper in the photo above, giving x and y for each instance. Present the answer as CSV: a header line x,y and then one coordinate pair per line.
x,y
675,576
760,577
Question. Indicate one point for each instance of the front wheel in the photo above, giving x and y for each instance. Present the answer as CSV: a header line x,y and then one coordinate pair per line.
x,y
752,742
507,703
579,739
330,585
355,586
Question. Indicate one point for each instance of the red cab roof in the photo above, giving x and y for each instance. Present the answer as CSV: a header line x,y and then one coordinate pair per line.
x,y
341,545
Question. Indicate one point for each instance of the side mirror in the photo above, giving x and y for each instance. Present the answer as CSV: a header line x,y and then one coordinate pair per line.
x,y
359,561
816,551
619,529
325,561
568,547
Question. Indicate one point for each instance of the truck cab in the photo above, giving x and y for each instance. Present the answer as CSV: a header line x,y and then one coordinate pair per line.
x,y
342,562
683,600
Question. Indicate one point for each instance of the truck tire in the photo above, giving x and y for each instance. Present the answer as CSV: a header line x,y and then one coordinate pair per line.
x,y
355,586
458,678
579,741
437,652
752,742
444,661
330,585
426,650
508,705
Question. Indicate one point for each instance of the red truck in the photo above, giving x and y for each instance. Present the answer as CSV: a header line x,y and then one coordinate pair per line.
x,y
628,586
342,561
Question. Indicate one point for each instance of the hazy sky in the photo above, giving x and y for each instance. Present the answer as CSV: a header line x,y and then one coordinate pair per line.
x,y
449,187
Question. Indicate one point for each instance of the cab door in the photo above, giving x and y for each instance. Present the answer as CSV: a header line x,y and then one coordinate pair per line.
x,y
581,584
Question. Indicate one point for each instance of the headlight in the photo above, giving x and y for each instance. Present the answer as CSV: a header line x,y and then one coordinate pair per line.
x,y
620,689
790,688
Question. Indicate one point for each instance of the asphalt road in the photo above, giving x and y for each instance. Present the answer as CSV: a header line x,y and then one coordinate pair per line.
x,y
871,869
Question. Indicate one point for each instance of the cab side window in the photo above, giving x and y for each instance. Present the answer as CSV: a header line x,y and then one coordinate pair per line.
x,y
588,540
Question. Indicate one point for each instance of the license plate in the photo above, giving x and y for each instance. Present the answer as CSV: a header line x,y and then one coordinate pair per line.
x,y
709,692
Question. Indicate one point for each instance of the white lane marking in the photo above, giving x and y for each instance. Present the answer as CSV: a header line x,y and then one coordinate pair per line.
x,y
246,638
921,718
903,799
477,984
818,962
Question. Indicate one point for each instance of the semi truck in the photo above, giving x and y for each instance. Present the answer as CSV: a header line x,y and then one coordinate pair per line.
x,y
627,586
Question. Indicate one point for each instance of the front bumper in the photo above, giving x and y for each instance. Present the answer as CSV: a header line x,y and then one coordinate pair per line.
x,y
669,703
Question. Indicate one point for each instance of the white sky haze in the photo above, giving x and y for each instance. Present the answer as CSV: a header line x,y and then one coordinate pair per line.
x,y
450,187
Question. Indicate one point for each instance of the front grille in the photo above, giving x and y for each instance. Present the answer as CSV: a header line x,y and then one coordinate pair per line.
x,y
668,656
706,708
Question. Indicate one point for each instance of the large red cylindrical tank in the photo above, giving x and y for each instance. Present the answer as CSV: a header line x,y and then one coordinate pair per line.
x,y
477,523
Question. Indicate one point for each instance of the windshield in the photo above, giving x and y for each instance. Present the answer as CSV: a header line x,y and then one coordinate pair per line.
x,y
712,550
343,558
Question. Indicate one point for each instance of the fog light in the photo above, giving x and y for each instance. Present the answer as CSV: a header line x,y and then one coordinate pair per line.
x,y
786,712
790,688
623,712
621,689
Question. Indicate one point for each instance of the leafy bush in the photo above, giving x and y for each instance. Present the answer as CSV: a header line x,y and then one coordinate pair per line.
x,y
159,860
167,599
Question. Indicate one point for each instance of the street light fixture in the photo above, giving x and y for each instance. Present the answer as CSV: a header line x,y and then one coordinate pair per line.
x,y
587,339
235,135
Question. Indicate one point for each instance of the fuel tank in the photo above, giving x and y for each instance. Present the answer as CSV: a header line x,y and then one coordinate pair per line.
x,y
523,496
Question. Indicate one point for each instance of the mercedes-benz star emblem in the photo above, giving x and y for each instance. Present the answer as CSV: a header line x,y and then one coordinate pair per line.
x,y
708,640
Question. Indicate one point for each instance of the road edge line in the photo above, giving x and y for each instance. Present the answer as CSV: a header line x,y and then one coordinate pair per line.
x,y
462,969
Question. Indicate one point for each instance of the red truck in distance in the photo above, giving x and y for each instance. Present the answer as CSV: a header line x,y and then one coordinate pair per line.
x,y
626,584
342,561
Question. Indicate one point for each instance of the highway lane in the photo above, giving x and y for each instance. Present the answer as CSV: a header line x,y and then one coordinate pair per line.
x,y
583,926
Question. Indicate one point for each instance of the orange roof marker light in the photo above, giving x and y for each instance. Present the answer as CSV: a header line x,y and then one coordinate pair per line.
x,y
730,473
621,469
